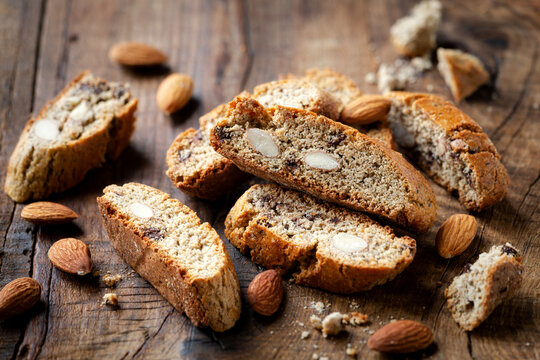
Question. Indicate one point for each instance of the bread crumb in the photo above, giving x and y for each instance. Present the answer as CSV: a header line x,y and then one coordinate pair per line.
x,y
332,324
304,335
317,306
371,332
356,319
536,106
271,332
323,358
111,280
429,87
110,299
371,78
316,322
315,356
350,351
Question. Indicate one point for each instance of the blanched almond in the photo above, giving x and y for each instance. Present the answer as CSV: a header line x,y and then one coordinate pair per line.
x,y
320,160
262,141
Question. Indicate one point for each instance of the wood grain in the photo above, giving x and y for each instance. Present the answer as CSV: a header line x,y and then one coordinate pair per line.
x,y
229,46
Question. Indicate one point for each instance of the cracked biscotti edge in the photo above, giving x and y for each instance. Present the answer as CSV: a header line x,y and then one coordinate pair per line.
x,y
247,230
72,161
197,298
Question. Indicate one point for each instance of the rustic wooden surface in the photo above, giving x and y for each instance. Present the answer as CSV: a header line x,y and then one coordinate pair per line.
x,y
227,46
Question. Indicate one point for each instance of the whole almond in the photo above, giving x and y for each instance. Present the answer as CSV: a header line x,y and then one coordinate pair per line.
x,y
18,296
136,54
48,213
174,92
265,292
400,337
455,235
365,109
72,256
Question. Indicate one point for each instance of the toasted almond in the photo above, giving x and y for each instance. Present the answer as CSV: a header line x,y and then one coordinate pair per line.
x,y
455,235
174,92
265,292
18,296
136,54
365,109
48,213
72,256
401,337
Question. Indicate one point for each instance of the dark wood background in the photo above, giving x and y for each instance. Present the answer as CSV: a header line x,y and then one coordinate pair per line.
x,y
228,46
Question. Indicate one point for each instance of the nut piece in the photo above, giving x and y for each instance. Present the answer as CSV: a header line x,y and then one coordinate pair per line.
x,y
332,324
141,210
136,54
262,141
265,292
400,337
365,109
110,299
455,235
174,92
18,296
46,129
320,160
316,322
348,243
72,256
48,213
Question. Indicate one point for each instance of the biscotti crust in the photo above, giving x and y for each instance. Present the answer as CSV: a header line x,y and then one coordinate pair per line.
x,y
33,175
207,301
419,211
312,264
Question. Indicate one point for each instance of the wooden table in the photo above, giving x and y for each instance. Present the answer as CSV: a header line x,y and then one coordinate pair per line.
x,y
228,46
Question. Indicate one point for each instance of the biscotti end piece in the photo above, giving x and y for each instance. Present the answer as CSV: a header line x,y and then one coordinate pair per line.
x,y
322,245
450,147
415,34
334,83
462,72
494,277
380,131
165,242
90,121
327,159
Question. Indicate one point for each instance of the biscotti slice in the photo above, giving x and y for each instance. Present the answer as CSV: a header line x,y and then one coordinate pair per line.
x,y
165,242
494,277
450,147
90,121
322,245
463,73
308,152
194,166
415,34
298,94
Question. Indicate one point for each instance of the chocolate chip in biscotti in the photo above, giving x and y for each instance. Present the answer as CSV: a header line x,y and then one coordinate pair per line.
x,y
153,233
506,249
222,133
183,155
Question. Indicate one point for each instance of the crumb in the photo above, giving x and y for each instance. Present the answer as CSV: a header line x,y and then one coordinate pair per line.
x,y
536,106
315,356
300,324
304,335
323,358
271,332
356,319
527,344
350,351
110,299
371,332
315,346
111,280
421,63
317,306
429,87
316,322
332,324
371,78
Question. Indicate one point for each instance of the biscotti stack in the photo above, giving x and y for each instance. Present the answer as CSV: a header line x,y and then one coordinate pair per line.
x,y
90,121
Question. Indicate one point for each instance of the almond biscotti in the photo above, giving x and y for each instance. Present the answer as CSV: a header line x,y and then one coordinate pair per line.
x,y
329,160
322,245
165,242
494,277
194,166
450,147
90,121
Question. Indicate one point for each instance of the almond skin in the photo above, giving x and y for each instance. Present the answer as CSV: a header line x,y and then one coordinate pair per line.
x,y
174,92
72,256
401,337
136,54
455,235
18,296
48,213
366,109
265,292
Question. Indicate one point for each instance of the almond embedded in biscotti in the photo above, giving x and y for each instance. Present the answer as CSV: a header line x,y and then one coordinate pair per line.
x,y
174,92
348,243
455,235
141,210
18,296
72,256
262,141
320,160
136,54
265,292
365,110
401,337
48,213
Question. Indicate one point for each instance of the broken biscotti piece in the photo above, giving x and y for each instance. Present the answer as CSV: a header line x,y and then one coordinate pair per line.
x,y
415,34
194,166
165,242
90,121
450,147
495,276
322,245
327,159
463,73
